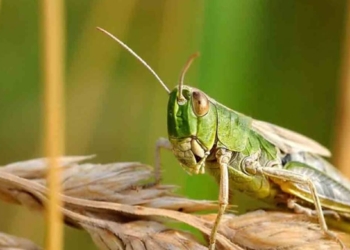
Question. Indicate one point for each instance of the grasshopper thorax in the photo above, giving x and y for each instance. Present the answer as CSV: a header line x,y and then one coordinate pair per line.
x,y
192,123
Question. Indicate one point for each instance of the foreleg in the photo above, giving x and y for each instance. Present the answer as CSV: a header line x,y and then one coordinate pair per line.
x,y
162,143
223,157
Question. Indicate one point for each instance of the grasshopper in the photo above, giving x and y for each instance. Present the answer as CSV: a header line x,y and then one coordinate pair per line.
x,y
260,159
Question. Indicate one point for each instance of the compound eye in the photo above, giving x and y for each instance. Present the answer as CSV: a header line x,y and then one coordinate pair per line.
x,y
200,103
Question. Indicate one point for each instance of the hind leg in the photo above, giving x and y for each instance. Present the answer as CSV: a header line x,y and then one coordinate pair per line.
x,y
284,177
292,204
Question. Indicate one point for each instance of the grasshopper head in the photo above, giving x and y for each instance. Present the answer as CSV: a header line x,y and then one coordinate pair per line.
x,y
192,118
192,123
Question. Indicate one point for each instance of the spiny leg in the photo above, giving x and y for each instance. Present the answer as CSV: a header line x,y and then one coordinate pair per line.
x,y
162,143
292,204
287,175
223,157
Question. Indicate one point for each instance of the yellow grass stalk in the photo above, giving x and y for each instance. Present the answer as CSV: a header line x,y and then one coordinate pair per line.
x,y
53,76
342,147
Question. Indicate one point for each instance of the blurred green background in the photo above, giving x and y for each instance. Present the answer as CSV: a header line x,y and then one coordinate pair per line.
x,y
277,61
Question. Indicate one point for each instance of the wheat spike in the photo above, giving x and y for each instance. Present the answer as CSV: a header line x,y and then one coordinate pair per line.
x,y
9,242
121,208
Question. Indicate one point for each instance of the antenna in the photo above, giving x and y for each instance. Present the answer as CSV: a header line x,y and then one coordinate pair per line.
x,y
137,57
180,98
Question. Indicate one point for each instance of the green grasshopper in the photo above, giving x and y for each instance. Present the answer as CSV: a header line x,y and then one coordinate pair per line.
x,y
260,159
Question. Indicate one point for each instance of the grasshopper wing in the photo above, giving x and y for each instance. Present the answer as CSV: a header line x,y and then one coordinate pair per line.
x,y
287,140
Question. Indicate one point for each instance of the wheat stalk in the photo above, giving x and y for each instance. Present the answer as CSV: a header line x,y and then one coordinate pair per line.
x,y
120,207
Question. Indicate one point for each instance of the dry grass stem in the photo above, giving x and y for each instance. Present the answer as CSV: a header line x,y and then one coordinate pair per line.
x,y
120,207
53,40
342,145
